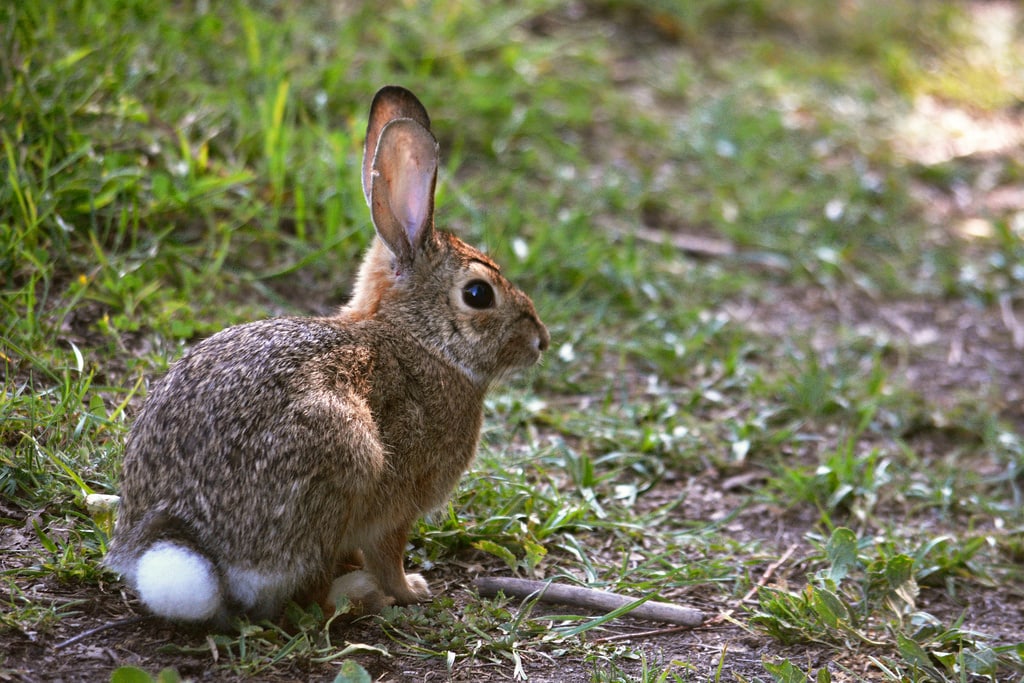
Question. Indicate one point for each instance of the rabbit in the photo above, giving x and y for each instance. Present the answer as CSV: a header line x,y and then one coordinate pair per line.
x,y
286,459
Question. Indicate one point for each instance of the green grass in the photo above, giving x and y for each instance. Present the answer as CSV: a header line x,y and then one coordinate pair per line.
x,y
168,170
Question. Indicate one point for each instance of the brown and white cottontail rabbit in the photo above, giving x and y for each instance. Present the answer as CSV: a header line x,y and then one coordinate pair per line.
x,y
277,454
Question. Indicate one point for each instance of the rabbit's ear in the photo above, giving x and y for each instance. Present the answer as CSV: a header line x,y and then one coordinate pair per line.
x,y
403,175
391,102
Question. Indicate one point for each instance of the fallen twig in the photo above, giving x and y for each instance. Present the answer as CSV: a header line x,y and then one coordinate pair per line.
x,y
697,245
772,568
588,598
718,618
103,627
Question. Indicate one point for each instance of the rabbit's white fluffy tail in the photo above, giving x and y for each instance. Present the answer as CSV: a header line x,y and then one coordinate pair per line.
x,y
178,583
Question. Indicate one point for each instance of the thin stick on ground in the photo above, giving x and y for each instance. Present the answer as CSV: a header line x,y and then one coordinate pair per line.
x,y
588,598
718,618
102,627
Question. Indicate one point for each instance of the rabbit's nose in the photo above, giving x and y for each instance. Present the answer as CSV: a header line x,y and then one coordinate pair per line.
x,y
543,338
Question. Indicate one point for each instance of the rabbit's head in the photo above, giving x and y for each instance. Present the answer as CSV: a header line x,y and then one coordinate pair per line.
x,y
452,297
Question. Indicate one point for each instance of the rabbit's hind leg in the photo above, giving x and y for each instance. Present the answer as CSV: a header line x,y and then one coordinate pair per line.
x,y
385,561
361,590
259,593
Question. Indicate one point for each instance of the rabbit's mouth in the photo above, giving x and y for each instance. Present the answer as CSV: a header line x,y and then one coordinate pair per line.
x,y
537,341
527,351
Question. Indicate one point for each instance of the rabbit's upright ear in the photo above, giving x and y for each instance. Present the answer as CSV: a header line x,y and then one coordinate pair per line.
x,y
391,102
403,175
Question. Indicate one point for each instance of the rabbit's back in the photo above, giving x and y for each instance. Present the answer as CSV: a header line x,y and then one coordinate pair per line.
x,y
237,443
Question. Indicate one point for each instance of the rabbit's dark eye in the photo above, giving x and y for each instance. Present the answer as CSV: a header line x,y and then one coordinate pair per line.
x,y
478,294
